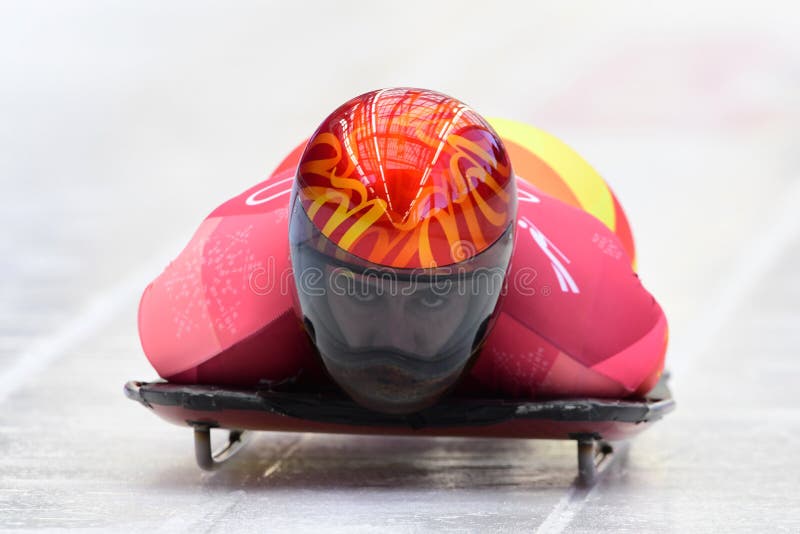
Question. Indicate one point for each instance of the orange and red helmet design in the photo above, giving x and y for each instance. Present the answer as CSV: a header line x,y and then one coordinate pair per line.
x,y
407,178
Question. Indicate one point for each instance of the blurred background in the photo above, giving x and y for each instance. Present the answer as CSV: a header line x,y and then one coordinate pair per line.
x,y
122,125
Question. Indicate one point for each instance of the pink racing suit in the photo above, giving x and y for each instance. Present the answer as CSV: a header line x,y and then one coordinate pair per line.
x,y
575,319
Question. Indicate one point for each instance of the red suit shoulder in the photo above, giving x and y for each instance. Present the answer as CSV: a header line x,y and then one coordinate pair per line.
x,y
576,320
221,312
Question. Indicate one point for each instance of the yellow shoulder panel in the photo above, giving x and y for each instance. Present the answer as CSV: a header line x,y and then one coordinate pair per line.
x,y
585,183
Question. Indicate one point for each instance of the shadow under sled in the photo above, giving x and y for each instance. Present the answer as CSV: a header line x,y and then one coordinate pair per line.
x,y
591,422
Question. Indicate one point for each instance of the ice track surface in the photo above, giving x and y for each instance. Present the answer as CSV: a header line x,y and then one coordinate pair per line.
x,y
122,126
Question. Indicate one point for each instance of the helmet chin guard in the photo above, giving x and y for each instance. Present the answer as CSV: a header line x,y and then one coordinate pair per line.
x,y
401,234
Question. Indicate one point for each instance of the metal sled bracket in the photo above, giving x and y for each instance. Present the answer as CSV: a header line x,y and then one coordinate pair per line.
x,y
593,451
208,460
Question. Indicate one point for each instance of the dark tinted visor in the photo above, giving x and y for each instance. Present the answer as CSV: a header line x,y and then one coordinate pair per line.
x,y
394,339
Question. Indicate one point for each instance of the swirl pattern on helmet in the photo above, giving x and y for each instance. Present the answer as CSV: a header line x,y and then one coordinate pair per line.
x,y
407,178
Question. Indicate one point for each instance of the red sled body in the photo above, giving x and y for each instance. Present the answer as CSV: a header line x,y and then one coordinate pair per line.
x,y
593,423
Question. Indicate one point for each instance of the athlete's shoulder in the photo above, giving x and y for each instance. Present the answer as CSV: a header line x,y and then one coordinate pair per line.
x,y
550,165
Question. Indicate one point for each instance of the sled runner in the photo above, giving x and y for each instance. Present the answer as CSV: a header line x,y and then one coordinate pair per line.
x,y
593,423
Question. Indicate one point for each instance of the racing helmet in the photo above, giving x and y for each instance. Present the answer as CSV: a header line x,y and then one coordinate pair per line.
x,y
401,234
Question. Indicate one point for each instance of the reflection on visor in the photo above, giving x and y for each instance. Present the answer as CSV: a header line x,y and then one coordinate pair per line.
x,y
394,340
414,318
389,381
